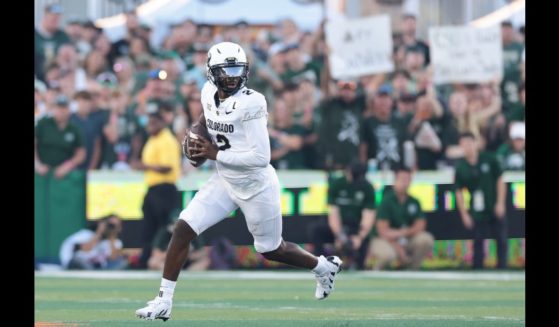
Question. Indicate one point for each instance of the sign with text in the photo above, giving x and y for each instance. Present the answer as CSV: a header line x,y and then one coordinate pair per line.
x,y
359,46
466,54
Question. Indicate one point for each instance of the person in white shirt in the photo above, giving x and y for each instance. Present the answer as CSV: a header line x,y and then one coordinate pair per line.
x,y
236,119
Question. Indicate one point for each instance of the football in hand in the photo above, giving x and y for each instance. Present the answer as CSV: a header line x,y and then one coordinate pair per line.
x,y
196,132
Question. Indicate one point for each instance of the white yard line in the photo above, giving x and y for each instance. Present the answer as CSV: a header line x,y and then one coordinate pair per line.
x,y
289,275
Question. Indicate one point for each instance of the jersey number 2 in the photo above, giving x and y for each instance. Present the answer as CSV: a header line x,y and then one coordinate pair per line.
x,y
221,138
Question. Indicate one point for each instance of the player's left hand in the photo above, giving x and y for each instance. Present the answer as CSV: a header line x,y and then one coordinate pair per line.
x,y
500,210
205,149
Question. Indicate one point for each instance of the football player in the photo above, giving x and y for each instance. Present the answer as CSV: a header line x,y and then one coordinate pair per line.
x,y
236,120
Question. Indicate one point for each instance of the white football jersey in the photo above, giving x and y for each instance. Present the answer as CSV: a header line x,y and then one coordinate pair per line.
x,y
239,127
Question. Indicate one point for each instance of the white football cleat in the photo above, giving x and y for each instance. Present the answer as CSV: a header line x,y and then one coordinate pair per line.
x,y
325,282
157,308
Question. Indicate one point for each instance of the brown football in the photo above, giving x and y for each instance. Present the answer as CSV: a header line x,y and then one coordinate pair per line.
x,y
196,131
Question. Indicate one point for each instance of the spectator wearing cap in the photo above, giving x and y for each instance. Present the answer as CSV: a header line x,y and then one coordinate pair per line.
x,y
48,38
400,231
90,123
512,60
512,155
337,126
58,142
408,27
382,134
161,157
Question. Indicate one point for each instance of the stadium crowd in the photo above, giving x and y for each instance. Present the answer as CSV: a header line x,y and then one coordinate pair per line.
x,y
315,122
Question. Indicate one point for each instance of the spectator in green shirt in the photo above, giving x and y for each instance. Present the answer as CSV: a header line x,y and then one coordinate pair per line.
x,y
382,134
351,215
338,126
48,38
58,142
401,226
481,174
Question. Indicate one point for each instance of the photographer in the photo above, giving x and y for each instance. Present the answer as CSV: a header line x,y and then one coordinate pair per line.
x,y
101,249
351,215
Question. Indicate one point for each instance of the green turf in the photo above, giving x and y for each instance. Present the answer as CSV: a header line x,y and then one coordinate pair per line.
x,y
356,302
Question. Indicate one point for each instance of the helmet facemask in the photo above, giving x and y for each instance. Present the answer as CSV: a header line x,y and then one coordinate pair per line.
x,y
229,77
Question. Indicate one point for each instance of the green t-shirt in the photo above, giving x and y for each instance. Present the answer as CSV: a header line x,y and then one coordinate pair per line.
x,y
351,199
47,47
338,129
481,181
384,140
54,145
512,57
399,214
510,159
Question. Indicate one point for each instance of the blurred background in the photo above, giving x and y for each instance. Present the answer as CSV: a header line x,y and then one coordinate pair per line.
x,y
387,83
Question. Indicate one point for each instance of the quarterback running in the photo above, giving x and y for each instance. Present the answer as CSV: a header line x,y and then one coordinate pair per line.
x,y
236,120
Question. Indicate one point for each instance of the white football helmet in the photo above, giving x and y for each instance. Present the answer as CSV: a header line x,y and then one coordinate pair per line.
x,y
227,67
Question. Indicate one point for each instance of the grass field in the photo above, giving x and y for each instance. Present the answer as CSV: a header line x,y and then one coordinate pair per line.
x,y
285,299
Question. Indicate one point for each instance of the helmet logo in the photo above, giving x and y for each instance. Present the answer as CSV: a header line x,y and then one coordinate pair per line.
x,y
231,60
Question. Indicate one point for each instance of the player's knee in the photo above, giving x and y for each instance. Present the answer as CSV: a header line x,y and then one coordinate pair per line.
x,y
183,231
279,252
